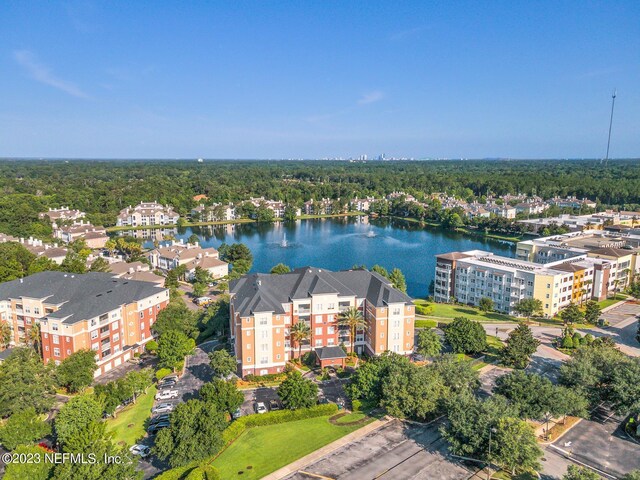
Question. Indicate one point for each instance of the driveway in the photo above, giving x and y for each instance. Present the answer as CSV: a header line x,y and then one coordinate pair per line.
x,y
197,372
602,444
546,360
396,451
121,370
623,327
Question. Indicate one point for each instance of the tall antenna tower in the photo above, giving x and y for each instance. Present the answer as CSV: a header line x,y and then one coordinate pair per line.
x,y
613,103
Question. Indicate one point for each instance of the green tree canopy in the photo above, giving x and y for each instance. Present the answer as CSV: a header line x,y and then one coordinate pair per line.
x,y
75,372
297,392
173,346
223,363
466,336
25,382
516,448
429,343
572,314
176,317
195,433
76,415
528,307
224,395
486,304
23,428
280,269
519,348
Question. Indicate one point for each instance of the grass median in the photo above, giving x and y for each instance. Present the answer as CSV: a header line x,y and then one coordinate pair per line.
x,y
128,426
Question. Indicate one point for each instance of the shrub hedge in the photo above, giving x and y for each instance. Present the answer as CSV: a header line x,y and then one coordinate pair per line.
x,y
236,429
163,372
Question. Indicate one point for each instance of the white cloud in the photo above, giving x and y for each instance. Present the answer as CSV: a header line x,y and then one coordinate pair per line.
x,y
371,97
42,74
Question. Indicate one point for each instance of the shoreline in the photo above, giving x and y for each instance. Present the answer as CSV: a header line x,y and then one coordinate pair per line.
x,y
240,221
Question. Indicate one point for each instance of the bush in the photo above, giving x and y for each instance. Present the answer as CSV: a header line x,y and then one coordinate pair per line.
x,y
151,346
356,405
424,309
136,355
203,472
234,430
567,342
163,372
577,339
271,377
588,339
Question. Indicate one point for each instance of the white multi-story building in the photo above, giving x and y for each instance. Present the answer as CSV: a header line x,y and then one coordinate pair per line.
x,y
147,213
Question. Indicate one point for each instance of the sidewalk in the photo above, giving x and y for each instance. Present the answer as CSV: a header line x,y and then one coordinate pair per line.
x,y
327,449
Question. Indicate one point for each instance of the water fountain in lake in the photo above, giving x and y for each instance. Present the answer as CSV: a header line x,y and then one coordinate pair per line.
x,y
284,243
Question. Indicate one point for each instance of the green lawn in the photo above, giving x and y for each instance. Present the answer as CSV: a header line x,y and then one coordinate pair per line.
x,y
266,449
611,301
444,312
421,323
128,426
351,417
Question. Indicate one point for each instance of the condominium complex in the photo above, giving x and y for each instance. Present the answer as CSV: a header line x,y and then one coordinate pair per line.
x,y
53,252
470,276
621,250
191,256
56,215
93,311
147,213
95,237
264,309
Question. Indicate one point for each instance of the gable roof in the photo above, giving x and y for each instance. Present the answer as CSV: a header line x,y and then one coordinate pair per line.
x,y
80,296
267,292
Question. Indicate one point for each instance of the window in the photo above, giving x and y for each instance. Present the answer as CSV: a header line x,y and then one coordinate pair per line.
x,y
54,327
56,352
277,344
56,339
382,335
331,306
278,357
93,322
264,347
68,352
408,333
248,346
36,310
248,359
319,306
141,325
265,334
330,318
27,309
248,333
396,323
141,314
94,334
264,360
318,330
277,330
331,330
318,343
263,321
396,311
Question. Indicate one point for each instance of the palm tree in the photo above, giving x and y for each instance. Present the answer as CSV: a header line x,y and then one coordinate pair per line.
x,y
353,319
5,334
34,337
299,332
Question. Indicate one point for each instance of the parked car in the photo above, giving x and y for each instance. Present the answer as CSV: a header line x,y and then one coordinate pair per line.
x,y
173,376
167,383
167,394
261,408
163,408
274,405
202,301
135,360
141,450
160,418
156,427
237,413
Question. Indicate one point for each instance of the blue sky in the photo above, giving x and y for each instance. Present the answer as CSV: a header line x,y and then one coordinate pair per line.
x,y
311,79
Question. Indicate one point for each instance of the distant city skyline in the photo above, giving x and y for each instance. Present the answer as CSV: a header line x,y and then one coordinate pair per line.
x,y
289,80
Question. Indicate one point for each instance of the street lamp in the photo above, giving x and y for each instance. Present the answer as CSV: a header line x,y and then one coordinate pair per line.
x,y
547,418
491,430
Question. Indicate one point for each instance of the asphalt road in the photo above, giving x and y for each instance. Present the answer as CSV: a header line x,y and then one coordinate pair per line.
x,y
197,372
603,444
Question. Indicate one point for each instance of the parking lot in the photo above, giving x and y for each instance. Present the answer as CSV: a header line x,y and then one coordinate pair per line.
x,y
197,372
396,451
602,443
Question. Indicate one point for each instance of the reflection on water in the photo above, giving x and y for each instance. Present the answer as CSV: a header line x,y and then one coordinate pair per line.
x,y
340,243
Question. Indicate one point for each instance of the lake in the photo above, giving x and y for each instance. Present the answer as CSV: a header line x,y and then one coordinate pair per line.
x,y
340,243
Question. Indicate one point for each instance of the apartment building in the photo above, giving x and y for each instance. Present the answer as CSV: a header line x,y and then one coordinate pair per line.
x,y
191,256
264,308
620,249
95,237
361,204
93,311
572,202
57,215
53,252
135,271
470,276
147,213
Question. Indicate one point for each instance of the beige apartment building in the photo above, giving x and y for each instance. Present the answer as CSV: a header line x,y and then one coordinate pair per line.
x,y
93,311
191,256
265,307
147,213
467,277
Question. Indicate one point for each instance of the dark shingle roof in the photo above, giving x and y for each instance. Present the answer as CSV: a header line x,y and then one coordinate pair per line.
x,y
266,293
328,353
81,296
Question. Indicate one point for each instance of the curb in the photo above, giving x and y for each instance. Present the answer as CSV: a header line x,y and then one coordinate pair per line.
x,y
547,444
